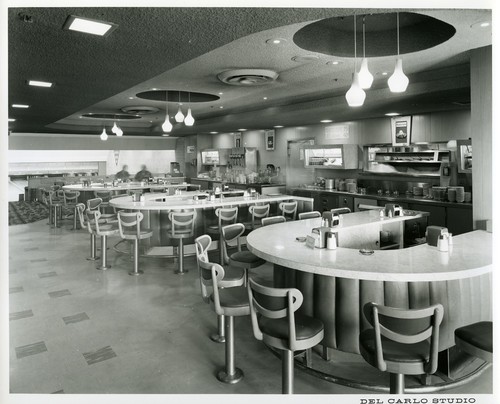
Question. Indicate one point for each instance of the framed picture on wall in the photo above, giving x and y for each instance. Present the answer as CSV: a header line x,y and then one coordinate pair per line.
x,y
401,130
269,136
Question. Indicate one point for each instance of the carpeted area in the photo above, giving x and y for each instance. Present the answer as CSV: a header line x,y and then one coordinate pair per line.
x,y
27,212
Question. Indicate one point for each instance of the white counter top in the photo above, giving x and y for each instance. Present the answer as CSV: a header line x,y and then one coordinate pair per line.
x,y
123,186
470,255
162,201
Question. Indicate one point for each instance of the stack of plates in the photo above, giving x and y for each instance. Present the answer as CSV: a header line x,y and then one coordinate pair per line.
x,y
452,194
426,187
467,197
439,193
351,187
418,191
460,196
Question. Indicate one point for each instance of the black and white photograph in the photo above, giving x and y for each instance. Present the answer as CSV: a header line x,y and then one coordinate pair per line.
x,y
230,201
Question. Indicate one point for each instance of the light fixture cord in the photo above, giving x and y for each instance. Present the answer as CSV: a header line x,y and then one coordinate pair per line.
x,y
397,17
166,100
363,37
354,43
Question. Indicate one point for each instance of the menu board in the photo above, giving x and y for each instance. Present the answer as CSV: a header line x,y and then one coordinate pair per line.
x,y
210,157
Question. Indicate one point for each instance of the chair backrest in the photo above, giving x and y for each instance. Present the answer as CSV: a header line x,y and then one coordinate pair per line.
x,y
80,208
274,303
226,216
182,222
131,221
105,195
405,326
259,212
202,244
272,220
288,208
229,234
55,196
96,215
340,211
70,196
211,275
309,215
94,203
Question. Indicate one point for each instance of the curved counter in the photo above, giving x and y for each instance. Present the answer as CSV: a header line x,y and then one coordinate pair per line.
x,y
337,283
122,187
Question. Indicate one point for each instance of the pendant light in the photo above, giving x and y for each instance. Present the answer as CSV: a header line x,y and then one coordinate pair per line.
x,y
167,125
104,135
116,130
398,82
179,116
365,77
189,120
355,96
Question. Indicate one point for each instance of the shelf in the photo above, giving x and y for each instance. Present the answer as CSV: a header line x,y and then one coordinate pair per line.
x,y
405,162
391,246
399,174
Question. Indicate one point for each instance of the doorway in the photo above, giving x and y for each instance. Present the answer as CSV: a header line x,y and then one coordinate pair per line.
x,y
296,173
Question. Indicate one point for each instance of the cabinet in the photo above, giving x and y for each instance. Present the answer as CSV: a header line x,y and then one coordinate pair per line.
x,y
339,157
425,160
437,214
459,220
346,202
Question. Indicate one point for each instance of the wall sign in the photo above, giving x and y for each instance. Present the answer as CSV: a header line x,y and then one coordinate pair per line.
x,y
401,130
269,137
190,149
337,132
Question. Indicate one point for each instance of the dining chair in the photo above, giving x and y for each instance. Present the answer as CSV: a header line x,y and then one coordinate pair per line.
x,y
225,216
476,339
309,215
272,220
288,210
182,227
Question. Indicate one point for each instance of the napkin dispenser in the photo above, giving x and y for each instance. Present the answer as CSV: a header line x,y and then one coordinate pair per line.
x,y
432,234
319,234
335,221
392,210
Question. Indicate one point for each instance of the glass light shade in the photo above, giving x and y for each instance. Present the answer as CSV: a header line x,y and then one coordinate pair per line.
x,y
114,129
189,120
167,126
118,132
365,77
355,96
179,116
104,135
398,82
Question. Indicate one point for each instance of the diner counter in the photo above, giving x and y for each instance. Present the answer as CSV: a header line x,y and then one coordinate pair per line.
x,y
123,186
336,284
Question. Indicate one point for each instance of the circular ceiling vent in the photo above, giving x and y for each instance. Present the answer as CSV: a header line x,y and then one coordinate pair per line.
x,y
140,110
247,77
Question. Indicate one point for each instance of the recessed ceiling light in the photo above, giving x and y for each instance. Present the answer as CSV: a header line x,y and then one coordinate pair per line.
x,y
88,26
242,130
334,62
38,83
221,93
481,24
384,73
213,133
221,107
277,126
326,121
305,58
275,41
130,98
20,106
11,119
165,135
392,114
264,98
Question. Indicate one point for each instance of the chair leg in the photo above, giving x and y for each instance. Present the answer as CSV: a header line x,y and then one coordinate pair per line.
x,y
396,383
326,354
104,254
93,249
230,374
220,336
75,223
136,270
181,270
286,371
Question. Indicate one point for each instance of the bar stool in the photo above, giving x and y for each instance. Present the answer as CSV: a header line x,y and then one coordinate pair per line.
x,y
103,231
240,259
273,220
309,215
476,339
257,212
83,223
340,211
70,201
56,201
225,216
401,347
105,196
182,227
288,208
229,302
97,204
129,227
233,277
275,321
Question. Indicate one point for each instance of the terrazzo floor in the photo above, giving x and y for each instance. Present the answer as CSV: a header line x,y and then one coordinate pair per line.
x,y
77,330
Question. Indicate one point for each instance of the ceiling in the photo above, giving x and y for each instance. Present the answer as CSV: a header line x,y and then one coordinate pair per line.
x,y
185,49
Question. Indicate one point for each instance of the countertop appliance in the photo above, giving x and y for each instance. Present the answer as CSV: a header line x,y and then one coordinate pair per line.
x,y
329,183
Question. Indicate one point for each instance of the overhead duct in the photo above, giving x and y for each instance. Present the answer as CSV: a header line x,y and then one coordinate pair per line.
x,y
247,77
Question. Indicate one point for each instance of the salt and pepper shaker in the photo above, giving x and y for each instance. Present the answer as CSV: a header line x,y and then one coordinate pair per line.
x,y
331,241
443,242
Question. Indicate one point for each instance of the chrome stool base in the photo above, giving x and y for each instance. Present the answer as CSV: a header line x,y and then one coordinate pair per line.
x,y
103,268
218,338
224,377
92,258
181,272
134,273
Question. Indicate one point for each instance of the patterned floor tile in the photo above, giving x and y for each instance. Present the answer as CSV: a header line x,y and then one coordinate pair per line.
x,y
16,289
100,355
76,318
59,293
47,274
31,349
20,314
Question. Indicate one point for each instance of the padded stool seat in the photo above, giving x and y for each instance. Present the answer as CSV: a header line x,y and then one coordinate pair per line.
x,y
305,327
243,259
476,339
232,298
131,235
129,225
182,228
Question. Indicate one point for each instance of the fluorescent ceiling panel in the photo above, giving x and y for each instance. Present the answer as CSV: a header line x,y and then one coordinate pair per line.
x,y
88,26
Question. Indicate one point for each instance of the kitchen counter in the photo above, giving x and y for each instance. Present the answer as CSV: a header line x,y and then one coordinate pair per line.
x,y
210,182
